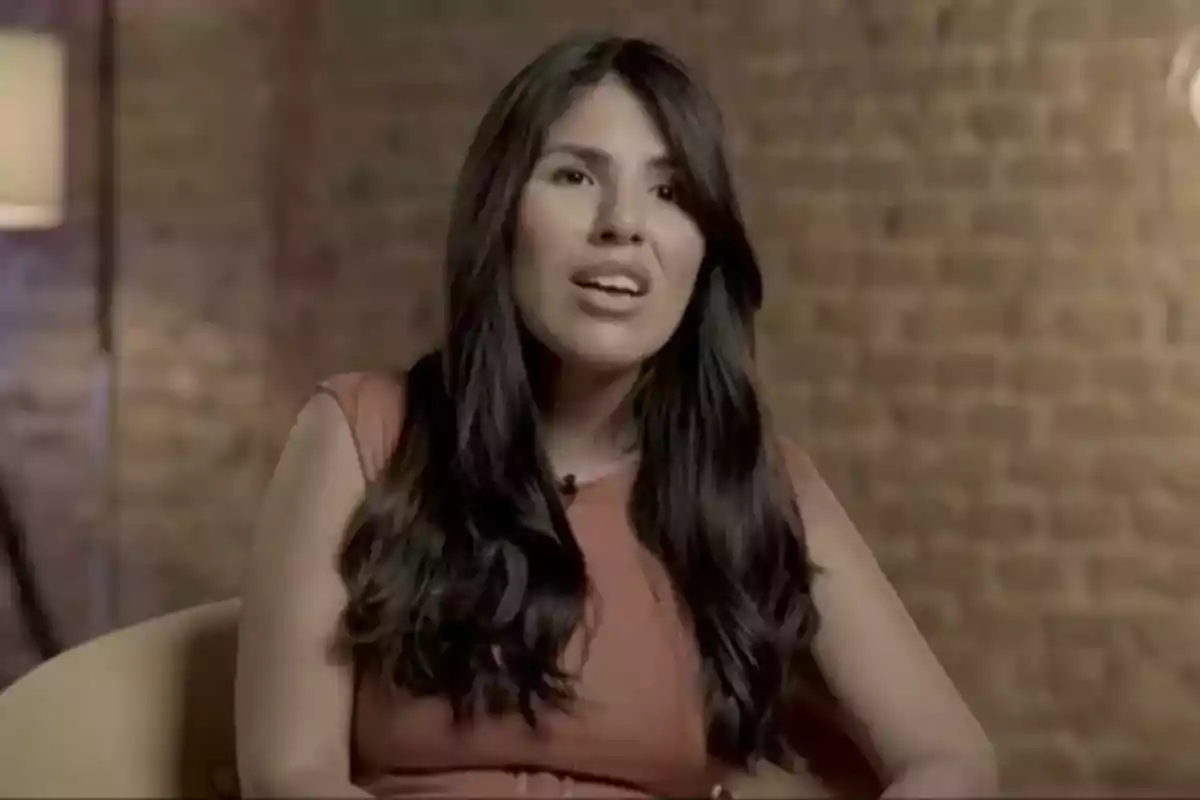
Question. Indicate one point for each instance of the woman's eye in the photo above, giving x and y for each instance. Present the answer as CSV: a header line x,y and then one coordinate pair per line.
x,y
666,192
570,175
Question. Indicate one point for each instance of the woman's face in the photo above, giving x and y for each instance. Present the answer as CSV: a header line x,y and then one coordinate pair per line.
x,y
605,259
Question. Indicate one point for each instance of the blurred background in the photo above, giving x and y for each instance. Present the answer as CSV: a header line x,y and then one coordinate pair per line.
x,y
980,221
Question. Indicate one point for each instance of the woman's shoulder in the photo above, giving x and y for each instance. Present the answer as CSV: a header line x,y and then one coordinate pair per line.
x,y
798,465
817,503
372,406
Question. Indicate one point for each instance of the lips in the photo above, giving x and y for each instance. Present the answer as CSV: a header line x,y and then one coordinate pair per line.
x,y
613,278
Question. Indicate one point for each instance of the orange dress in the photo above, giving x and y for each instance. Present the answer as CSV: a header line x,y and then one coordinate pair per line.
x,y
638,728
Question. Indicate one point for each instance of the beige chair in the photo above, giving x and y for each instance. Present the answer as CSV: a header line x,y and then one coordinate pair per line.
x,y
145,711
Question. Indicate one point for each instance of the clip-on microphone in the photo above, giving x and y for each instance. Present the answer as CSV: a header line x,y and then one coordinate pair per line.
x,y
567,487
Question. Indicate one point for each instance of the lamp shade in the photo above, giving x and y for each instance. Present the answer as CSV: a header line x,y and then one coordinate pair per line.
x,y
32,129
1184,81
1193,87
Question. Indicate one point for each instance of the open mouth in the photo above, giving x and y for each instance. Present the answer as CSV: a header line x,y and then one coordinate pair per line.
x,y
616,286
613,279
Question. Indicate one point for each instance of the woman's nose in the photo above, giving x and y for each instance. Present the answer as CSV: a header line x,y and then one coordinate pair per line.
x,y
621,219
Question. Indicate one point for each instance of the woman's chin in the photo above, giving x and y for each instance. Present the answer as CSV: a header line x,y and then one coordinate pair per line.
x,y
602,356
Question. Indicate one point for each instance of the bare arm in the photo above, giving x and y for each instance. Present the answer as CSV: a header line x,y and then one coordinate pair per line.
x,y
294,698
913,722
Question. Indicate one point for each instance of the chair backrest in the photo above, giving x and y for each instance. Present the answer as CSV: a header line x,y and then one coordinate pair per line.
x,y
147,712
144,711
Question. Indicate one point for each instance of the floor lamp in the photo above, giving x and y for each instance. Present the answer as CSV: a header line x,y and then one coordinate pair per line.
x,y
32,147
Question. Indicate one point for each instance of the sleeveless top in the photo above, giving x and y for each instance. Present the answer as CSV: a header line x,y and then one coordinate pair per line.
x,y
638,727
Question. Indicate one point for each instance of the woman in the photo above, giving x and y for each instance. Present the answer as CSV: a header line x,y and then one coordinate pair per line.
x,y
562,555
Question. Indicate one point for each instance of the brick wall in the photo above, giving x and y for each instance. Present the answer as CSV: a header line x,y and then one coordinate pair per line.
x,y
978,219
983,219
196,437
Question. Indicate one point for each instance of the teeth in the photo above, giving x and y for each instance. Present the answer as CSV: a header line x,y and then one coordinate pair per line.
x,y
615,283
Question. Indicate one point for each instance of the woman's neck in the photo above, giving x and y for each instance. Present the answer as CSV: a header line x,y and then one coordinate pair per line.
x,y
587,425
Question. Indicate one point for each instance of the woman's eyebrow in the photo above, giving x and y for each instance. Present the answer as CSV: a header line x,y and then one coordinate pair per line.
x,y
598,158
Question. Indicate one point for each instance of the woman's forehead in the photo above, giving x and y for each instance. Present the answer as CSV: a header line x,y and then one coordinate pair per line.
x,y
610,118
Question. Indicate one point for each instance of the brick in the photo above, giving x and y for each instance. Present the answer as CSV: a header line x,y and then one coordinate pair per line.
x,y
1039,171
947,126
1081,421
835,360
1180,477
821,267
1124,471
1151,18
1127,376
1003,422
1005,524
860,322
1037,73
1080,688
1045,374
923,219
1182,326
1008,220
1105,324
1132,578
1084,630
887,372
912,518
961,571
1151,638
1173,523
997,122
1167,420
925,420
1034,171
950,171
1048,470
961,321
840,414
1063,20
895,268
948,464
814,171
973,268
1030,575
1125,66
1099,123
823,27
871,173
1094,522
974,22
966,372
964,71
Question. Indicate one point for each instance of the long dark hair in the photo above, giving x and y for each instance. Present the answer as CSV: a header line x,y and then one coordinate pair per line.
x,y
464,577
